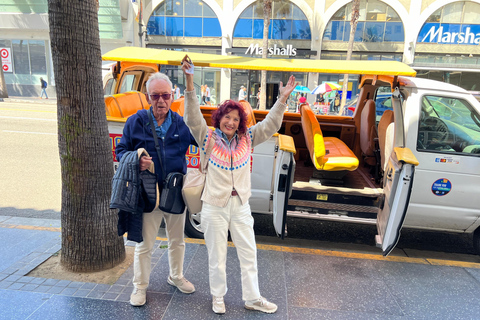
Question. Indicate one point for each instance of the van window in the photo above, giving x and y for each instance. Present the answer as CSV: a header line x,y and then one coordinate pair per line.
x,y
448,125
110,87
128,83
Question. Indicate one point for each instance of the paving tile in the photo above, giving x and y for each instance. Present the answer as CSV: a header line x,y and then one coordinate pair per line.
x,y
88,286
110,296
42,288
116,288
25,279
431,291
16,286
56,290
296,313
341,284
38,280
81,293
62,283
124,297
51,282
73,308
75,284
29,287
12,278
69,291
95,294
102,287
5,284
25,303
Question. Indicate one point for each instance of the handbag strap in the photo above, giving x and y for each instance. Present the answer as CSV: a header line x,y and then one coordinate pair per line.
x,y
155,138
211,142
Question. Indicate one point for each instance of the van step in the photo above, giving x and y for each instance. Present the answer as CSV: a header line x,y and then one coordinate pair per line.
x,y
298,204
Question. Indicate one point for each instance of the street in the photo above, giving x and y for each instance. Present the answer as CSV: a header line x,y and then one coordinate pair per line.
x,y
30,187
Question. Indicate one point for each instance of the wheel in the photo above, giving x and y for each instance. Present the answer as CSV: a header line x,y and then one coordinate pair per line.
x,y
476,241
193,225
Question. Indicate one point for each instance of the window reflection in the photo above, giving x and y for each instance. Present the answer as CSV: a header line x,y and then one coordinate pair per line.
x,y
287,22
377,22
184,18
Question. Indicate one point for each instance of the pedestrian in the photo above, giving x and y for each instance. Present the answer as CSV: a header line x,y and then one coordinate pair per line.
x,y
177,92
202,90
227,188
207,95
176,139
336,102
242,93
44,85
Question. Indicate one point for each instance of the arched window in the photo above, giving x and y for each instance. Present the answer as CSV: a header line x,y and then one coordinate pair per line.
x,y
378,22
184,18
454,23
287,22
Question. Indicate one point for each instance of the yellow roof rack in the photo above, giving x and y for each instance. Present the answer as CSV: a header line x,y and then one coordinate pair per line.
x,y
168,57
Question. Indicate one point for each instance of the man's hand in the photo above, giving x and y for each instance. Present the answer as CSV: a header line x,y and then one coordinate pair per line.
x,y
145,162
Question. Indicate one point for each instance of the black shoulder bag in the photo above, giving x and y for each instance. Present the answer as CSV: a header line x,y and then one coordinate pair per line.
x,y
171,199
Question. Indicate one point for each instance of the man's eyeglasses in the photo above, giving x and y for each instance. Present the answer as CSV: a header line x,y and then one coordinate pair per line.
x,y
165,96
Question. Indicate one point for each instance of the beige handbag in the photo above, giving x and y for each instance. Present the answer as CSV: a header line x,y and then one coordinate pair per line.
x,y
194,182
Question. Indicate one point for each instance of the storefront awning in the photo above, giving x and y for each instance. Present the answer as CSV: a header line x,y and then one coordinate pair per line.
x,y
147,55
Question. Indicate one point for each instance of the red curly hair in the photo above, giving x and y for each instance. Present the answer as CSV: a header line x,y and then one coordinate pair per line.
x,y
224,108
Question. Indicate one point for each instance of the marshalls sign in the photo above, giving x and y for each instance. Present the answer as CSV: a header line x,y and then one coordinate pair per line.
x,y
450,33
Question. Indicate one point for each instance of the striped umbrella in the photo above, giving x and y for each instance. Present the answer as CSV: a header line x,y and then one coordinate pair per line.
x,y
326,87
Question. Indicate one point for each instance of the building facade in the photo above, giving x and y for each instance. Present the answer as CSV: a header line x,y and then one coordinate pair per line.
x,y
438,38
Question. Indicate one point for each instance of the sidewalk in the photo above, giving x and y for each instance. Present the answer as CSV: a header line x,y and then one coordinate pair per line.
x,y
306,284
30,100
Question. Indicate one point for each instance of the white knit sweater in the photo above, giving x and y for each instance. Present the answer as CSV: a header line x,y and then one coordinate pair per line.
x,y
228,169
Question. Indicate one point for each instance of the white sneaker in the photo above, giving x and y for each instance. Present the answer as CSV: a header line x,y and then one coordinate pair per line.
x,y
261,304
182,284
138,297
218,305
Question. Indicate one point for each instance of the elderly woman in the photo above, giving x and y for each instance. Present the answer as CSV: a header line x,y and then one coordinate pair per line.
x,y
227,188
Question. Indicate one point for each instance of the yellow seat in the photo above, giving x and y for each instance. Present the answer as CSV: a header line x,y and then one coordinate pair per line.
x,y
327,153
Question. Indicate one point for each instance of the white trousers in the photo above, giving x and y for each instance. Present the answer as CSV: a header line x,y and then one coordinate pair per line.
x,y
216,222
175,224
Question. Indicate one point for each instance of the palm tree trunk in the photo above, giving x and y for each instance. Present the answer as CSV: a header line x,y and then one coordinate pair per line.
x,y
353,28
267,12
89,238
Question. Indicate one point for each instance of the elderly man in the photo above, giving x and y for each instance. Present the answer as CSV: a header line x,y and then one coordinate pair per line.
x,y
175,139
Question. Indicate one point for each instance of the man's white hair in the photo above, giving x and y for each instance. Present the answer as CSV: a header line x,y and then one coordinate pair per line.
x,y
158,76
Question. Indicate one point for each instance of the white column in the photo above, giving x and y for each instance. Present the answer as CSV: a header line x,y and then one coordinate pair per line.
x,y
227,39
410,37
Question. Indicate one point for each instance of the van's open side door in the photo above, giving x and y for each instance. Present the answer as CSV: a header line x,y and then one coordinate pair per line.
x,y
282,187
397,187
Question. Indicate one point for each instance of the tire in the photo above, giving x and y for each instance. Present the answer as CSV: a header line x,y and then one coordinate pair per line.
x,y
476,241
193,226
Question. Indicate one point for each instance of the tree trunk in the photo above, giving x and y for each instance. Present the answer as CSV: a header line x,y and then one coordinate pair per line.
x,y
89,238
267,12
353,28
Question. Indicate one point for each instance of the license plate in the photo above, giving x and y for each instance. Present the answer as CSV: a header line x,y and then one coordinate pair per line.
x,y
323,197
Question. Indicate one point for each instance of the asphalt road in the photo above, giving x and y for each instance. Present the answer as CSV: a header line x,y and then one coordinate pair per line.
x,y
30,186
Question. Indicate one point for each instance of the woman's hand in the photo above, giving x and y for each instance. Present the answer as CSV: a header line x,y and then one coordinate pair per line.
x,y
188,76
285,91
145,162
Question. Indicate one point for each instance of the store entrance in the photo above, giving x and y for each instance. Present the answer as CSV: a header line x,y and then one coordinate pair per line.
x,y
272,94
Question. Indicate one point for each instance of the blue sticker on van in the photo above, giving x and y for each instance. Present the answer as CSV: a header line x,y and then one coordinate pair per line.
x,y
441,187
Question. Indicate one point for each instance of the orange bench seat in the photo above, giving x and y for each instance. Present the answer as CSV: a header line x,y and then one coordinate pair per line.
x,y
327,153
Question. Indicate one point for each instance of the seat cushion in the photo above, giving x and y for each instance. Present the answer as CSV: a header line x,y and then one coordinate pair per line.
x,y
338,156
